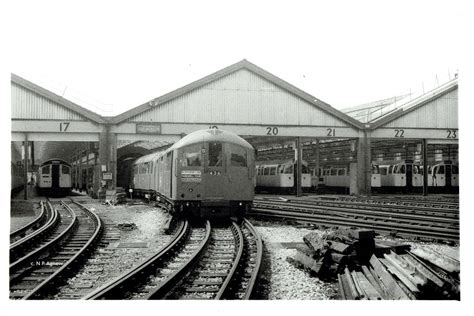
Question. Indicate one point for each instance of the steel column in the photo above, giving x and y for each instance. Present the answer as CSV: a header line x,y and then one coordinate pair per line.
x,y
424,150
299,153
25,165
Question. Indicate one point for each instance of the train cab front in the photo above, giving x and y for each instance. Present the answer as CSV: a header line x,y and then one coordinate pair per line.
x,y
209,184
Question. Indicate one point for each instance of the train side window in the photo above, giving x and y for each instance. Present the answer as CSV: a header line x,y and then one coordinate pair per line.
x,y
238,156
65,169
390,170
266,171
455,170
341,172
215,155
333,172
304,168
273,171
402,169
192,156
45,170
441,170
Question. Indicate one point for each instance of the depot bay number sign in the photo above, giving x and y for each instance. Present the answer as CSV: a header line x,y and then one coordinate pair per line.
x,y
146,128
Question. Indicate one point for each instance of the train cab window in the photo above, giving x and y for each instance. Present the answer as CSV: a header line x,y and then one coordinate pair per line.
x,y
281,169
135,169
390,170
238,156
215,155
304,169
45,170
289,169
65,169
402,169
266,171
440,170
375,170
417,170
191,156
455,170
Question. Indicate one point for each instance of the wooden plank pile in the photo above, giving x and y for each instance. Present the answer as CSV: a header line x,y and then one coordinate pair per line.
x,y
368,268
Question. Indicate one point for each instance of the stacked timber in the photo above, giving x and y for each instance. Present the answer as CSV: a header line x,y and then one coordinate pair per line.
x,y
368,268
397,277
328,254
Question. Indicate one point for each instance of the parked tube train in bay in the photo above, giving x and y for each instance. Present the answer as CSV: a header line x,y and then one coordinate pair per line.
x,y
54,178
208,173
280,175
404,175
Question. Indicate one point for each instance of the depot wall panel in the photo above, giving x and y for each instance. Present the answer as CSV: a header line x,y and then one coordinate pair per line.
x,y
29,105
241,97
439,113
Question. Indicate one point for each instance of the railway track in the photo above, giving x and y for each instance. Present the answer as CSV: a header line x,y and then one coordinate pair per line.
x,y
430,202
32,226
49,231
200,262
392,220
38,272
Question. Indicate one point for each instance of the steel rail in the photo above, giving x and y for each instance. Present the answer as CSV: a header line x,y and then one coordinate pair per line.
x,y
171,280
36,253
443,204
345,212
44,286
240,240
34,224
368,205
116,288
256,272
18,248
405,230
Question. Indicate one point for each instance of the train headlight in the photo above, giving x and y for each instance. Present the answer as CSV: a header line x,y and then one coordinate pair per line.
x,y
240,203
190,190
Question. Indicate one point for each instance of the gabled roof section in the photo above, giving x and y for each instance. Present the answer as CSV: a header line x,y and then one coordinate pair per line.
x,y
372,110
244,64
57,99
415,104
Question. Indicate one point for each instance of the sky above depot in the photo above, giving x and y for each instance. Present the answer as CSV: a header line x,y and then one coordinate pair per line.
x,y
111,56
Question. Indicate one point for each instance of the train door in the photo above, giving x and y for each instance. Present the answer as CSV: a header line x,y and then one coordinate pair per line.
x,y
408,174
55,176
214,183
239,171
448,174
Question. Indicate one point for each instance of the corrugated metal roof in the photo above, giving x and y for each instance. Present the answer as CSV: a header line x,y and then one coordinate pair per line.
x,y
441,113
30,101
228,95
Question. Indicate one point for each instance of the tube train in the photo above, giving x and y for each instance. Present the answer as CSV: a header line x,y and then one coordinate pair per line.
x,y
280,175
208,173
54,178
404,175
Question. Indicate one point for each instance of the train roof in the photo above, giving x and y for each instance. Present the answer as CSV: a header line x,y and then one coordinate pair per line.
x,y
199,137
55,160
278,162
211,135
148,157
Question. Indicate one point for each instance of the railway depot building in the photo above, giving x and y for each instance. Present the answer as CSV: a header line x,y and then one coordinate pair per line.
x,y
278,119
